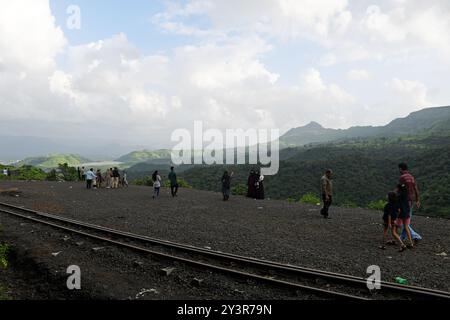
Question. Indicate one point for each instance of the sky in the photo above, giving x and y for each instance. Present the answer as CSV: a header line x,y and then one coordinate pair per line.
x,y
134,71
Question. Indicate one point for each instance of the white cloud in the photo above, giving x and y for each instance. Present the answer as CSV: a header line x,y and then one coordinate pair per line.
x,y
407,93
223,76
284,19
358,75
29,39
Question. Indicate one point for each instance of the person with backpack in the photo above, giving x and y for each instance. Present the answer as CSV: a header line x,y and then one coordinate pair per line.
x,y
156,184
173,182
413,195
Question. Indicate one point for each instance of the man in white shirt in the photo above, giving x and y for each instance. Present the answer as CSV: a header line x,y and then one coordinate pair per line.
x,y
90,176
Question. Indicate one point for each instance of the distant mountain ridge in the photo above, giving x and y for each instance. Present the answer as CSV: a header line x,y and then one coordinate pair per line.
x,y
146,156
426,121
52,161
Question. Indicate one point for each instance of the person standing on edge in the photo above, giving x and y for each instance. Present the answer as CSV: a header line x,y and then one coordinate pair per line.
x,y
115,178
327,192
99,179
173,182
83,174
108,178
156,184
124,179
79,173
90,177
413,194
251,183
226,185
259,185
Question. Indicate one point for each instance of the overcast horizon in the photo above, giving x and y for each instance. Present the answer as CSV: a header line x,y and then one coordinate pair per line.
x,y
133,73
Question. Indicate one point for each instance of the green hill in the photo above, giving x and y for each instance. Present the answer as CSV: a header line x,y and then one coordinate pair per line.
x,y
52,161
145,156
426,121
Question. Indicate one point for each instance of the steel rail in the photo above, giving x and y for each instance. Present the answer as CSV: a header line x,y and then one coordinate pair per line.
x,y
196,263
248,260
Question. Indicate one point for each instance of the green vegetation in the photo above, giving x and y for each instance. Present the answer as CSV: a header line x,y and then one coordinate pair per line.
x,y
64,173
3,265
53,161
3,294
3,256
239,190
181,184
145,156
310,199
365,170
377,205
425,122
24,173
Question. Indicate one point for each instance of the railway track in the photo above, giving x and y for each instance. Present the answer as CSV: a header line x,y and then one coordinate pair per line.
x,y
318,282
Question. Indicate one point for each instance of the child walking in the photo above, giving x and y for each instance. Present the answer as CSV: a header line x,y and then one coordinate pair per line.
x,y
156,184
391,211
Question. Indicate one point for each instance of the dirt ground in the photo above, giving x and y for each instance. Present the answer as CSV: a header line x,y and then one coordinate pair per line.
x,y
273,230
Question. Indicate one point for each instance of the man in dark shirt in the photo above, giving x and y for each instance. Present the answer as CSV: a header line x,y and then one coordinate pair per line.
x,y
326,186
173,182
115,178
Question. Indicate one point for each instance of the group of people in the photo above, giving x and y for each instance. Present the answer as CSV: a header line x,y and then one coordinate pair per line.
x,y
157,180
397,212
95,179
255,185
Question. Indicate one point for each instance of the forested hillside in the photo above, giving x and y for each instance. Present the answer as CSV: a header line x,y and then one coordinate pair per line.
x,y
365,170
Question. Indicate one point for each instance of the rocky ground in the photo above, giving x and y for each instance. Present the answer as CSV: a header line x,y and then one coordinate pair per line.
x,y
273,230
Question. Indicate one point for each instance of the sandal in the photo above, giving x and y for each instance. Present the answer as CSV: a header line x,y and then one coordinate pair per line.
x,y
382,247
390,243
403,248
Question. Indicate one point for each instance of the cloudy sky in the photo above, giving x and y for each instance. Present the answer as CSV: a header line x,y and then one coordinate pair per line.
x,y
137,70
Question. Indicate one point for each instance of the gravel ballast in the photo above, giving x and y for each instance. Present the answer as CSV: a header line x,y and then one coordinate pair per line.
x,y
273,230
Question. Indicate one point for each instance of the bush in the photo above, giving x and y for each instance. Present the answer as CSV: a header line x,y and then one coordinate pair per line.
x,y
3,256
239,190
146,181
310,198
69,173
349,204
377,205
28,173
181,184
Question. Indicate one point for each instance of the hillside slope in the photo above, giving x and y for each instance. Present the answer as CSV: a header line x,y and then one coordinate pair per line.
x,y
52,161
423,122
364,172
